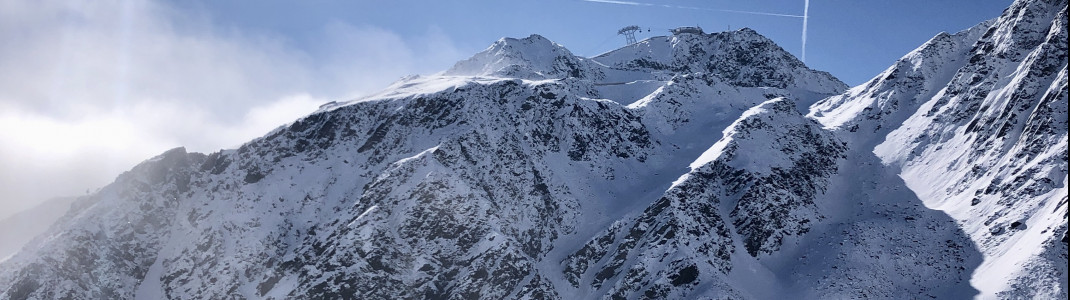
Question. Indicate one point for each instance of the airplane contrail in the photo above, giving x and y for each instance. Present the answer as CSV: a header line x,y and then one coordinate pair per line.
x,y
806,16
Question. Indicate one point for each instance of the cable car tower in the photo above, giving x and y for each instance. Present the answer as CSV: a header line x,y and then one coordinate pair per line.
x,y
629,33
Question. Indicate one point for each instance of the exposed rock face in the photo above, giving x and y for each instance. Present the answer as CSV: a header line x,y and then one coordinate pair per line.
x,y
742,58
686,237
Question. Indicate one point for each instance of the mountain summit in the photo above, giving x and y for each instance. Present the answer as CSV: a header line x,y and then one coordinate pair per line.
x,y
684,166
742,58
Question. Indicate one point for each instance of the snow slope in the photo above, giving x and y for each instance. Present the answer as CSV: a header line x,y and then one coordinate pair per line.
x,y
977,123
533,57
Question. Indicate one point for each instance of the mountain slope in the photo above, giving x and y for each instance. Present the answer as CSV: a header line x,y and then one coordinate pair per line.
x,y
977,123
779,206
444,186
685,241
460,185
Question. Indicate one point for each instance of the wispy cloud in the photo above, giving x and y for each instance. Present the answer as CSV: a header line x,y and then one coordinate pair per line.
x,y
90,88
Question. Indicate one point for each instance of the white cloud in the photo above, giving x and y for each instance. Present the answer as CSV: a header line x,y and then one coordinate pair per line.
x,y
90,88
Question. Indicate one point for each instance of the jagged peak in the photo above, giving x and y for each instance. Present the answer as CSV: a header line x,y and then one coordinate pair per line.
x,y
742,57
745,32
919,74
533,39
170,153
748,30
968,35
740,36
529,47
1023,25
533,57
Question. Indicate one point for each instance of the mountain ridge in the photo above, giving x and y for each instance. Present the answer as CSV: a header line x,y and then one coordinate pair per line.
x,y
993,124
528,172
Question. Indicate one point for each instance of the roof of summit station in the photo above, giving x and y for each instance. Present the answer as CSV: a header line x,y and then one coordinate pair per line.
x,y
687,29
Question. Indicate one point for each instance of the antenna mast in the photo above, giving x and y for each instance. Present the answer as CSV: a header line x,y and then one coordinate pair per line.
x,y
629,33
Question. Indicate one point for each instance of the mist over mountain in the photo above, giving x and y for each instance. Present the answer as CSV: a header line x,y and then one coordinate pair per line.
x,y
20,228
695,165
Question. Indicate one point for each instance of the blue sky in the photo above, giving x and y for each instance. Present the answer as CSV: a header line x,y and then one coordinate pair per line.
x,y
90,88
852,39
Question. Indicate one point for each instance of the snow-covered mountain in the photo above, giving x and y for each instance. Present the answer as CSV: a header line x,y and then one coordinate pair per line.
x,y
977,123
684,166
